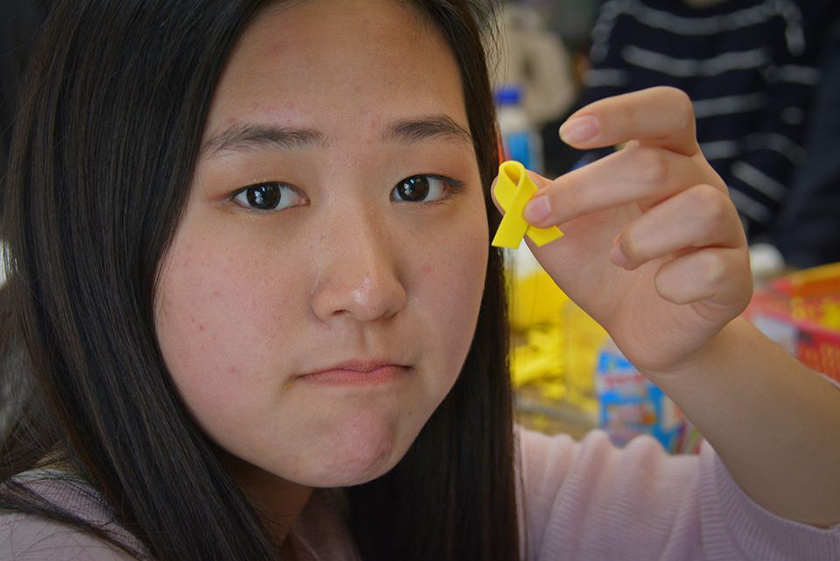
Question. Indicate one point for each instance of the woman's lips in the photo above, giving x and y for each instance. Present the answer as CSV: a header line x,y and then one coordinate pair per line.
x,y
356,373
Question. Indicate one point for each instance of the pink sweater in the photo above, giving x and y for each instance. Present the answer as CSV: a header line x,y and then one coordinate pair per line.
x,y
582,501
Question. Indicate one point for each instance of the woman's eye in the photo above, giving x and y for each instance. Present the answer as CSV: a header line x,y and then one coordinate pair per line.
x,y
424,189
268,196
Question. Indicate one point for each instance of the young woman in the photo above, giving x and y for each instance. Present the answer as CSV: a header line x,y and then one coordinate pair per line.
x,y
253,314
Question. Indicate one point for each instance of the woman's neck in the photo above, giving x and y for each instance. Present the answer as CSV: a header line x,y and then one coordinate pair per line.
x,y
278,502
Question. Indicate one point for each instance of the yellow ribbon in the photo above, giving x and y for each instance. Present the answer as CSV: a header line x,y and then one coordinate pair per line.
x,y
513,190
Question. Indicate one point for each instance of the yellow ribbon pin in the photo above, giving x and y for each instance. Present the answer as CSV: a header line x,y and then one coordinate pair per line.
x,y
513,190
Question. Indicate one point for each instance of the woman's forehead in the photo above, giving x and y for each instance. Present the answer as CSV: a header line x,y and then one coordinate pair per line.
x,y
335,66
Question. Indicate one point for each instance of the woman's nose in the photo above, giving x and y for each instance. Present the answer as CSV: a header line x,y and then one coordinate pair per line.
x,y
357,274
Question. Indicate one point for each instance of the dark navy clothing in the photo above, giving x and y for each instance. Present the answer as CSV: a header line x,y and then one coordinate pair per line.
x,y
750,68
808,228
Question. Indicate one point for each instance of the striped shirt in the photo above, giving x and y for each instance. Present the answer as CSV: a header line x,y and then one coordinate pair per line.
x,y
750,68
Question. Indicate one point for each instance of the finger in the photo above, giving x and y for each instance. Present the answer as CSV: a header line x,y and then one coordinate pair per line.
x,y
718,276
701,216
635,174
660,116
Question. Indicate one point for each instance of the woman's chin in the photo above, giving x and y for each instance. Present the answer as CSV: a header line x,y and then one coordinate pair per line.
x,y
359,452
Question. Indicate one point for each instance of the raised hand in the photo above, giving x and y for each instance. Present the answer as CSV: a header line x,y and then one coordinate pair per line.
x,y
654,249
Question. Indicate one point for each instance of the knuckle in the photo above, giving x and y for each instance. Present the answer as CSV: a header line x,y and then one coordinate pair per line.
x,y
714,267
683,107
625,110
567,197
631,246
720,209
714,207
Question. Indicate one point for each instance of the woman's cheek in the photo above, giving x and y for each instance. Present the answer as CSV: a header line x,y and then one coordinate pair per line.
x,y
455,278
218,313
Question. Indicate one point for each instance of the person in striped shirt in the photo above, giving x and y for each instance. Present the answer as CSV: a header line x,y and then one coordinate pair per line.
x,y
750,68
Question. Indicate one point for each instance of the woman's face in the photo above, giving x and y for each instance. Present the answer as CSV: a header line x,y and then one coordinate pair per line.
x,y
323,286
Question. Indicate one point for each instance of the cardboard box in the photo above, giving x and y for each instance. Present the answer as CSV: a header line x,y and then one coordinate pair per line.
x,y
801,312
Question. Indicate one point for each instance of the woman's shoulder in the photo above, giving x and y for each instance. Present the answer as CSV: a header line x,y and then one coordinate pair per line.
x,y
26,536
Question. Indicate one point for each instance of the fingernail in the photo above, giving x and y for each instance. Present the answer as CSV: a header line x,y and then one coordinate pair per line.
x,y
618,257
579,129
537,209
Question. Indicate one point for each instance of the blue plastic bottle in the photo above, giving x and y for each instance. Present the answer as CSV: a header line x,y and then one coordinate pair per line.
x,y
520,140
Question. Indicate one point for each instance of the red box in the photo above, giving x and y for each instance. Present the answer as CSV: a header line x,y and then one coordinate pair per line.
x,y
801,311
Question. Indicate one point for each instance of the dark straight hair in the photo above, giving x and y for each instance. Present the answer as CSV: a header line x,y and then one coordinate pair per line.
x,y
104,149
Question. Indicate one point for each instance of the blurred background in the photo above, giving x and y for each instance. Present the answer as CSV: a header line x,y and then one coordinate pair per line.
x,y
764,77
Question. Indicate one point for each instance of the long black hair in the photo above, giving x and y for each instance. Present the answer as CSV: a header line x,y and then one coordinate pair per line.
x,y
105,144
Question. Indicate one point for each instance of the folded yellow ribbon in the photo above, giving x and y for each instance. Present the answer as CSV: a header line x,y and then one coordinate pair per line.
x,y
513,190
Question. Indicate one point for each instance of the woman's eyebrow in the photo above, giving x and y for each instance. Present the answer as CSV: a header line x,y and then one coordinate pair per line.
x,y
425,128
246,136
